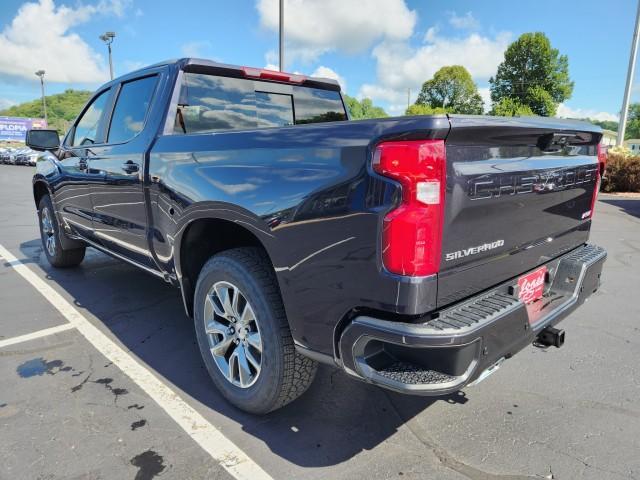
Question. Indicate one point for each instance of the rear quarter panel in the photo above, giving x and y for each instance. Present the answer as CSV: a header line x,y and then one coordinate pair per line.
x,y
307,194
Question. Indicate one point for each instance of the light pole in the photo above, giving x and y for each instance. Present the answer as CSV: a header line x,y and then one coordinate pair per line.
x,y
630,73
40,73
281,31
107,38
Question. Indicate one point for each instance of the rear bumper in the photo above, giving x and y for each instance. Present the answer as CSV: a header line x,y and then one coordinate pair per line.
x,y
441,354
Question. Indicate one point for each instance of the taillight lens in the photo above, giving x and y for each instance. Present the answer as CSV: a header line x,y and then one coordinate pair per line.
x,y
602,164
412,232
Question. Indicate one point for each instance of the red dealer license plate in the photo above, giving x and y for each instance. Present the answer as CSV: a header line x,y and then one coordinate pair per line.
x,y
531,286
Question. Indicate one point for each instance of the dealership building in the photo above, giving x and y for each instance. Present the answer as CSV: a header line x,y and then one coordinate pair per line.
x,y
14,129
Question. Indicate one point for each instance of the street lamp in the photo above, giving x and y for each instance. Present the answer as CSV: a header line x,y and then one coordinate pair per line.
x,y
107,38
40,73
281,37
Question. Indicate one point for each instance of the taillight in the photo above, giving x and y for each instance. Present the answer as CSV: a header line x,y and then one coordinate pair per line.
x,y
412,232
602,164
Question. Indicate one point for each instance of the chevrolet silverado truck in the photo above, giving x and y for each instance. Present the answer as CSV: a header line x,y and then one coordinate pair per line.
x,y
414,253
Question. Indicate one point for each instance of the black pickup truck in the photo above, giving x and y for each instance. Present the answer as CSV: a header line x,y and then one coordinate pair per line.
x,y
415,253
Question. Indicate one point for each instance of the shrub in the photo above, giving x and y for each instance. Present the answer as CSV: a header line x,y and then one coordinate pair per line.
x,y
623,172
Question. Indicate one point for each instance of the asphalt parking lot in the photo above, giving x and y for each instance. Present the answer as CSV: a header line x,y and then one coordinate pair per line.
x,y
67,411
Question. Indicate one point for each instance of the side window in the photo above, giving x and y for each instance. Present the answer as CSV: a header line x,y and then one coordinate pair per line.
x,y
314,105
87,128
131,109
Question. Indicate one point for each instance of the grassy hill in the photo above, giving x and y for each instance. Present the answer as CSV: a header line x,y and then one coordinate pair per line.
x,y
62,108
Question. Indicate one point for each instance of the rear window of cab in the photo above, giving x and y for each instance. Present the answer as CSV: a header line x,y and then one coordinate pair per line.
x,y
210,103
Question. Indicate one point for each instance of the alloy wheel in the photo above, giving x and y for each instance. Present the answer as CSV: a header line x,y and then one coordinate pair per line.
x,y
48,232
233,333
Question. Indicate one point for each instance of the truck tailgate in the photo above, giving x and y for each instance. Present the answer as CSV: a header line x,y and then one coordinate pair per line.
x,y
519,193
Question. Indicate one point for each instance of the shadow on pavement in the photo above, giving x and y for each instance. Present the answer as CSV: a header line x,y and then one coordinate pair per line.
x,y
335,420
627,205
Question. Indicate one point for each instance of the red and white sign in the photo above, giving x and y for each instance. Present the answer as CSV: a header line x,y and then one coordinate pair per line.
x,y
531,286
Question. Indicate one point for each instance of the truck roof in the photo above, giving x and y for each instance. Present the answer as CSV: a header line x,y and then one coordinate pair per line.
x,y
204,65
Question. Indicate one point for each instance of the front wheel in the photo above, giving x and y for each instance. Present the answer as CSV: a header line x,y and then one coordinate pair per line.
x,y
243,333
50,235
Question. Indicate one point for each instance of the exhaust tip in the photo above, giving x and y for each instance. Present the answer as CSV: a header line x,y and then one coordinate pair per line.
x,y
550,337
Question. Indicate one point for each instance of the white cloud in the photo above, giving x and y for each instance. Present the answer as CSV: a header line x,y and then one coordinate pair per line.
x,y
195,49
6,103
377,92
478,54
565,111
396,110
463,22
314,27
327,72
485,93
39,37
131,65
271,57
400,66
431,34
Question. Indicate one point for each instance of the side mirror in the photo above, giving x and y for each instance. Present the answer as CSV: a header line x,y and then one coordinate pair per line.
x,y
42,140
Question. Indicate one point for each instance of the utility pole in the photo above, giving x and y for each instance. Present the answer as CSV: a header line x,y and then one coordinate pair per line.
x,y
107,38
40,73
408,97
630,74
281,31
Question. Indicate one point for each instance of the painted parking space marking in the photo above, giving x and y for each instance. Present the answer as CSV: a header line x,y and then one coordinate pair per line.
x,y
220,448
45,332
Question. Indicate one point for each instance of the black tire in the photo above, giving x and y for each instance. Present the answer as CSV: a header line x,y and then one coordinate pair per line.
x,y
56,255
284,374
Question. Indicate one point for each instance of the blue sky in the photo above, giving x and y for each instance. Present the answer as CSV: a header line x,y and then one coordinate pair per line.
x,y
377,48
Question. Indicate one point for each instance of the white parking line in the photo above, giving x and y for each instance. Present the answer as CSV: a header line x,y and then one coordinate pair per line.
x,y
33,335
221,449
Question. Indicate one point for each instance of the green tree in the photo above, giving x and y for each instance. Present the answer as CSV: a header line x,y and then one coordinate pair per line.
x,y
452,89
359,110
534,74
633,122
62,108
417,109
606,124
510,107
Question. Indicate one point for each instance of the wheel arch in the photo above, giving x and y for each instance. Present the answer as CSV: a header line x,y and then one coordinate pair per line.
x,y
204,237
40,189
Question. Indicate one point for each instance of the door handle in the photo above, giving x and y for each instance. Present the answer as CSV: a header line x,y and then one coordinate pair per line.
x,y
130,167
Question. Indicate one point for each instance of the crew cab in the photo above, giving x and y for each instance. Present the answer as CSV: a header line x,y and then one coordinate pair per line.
x,y
415,253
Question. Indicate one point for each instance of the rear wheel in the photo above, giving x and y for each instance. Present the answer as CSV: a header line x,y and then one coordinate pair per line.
x,y
50,235
243,333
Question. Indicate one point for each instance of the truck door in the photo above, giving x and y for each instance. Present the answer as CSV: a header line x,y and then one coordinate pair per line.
x,y
72,193
119,208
